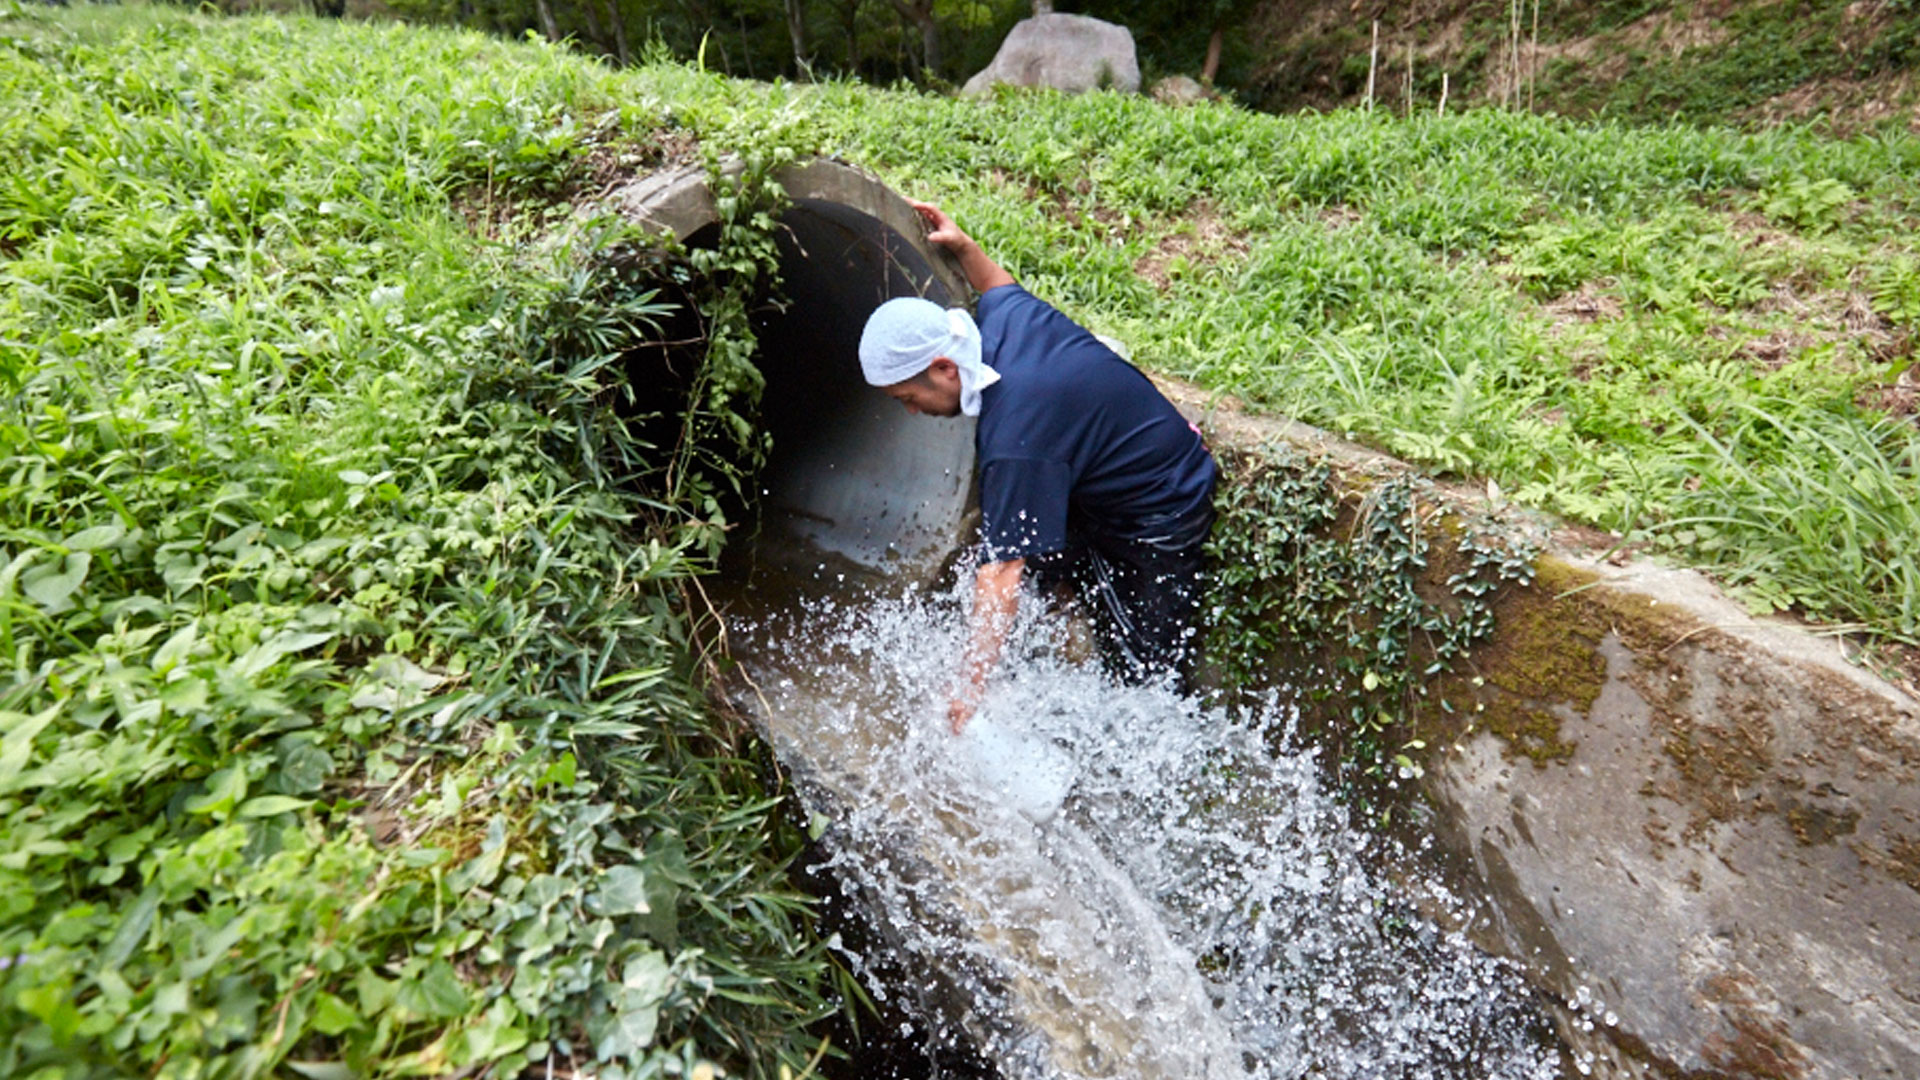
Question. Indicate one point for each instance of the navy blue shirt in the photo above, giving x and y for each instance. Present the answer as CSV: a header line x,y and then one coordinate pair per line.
x,y
1072,429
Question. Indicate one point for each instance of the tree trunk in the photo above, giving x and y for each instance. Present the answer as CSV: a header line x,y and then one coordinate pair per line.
x,y
1043,7
594,35
619,32
920,14
930,41
797,30
547,25
851,17
1212,67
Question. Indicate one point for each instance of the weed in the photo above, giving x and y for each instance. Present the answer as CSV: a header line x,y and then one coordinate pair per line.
x,y
350,724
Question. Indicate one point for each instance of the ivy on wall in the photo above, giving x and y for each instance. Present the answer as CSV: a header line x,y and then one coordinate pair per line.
x,y
1355,598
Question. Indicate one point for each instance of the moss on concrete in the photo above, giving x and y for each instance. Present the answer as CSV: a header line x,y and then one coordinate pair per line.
x,y
1541,667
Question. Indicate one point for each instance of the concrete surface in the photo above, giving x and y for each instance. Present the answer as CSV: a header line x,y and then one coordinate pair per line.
x,y
1722,879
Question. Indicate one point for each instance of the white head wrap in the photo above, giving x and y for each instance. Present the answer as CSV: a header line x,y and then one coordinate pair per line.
x,y
906,334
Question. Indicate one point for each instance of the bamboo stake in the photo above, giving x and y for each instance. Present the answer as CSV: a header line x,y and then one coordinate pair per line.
x,y
1533,58
1373,63
1409,77
1514,90
1444,78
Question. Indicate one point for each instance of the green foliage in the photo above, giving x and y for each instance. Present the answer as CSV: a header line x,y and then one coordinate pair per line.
x,y
351,722
1812,205
1895,286
352,713
1817,522
1357,602
1674,261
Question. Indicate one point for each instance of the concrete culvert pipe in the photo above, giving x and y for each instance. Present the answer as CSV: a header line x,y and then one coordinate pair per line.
x,y
851,474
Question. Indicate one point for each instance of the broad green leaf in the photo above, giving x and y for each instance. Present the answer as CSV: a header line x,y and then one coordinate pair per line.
x,y
630,1032
95,538
132,930
17,731
225,788
212,952
496,1034
183,694
331,1016
562,772
268,805
623,891
268,652
373,992
304,767
52,585
434,994
176,648
649,973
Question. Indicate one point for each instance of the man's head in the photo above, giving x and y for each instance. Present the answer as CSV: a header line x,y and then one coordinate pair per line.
x,y
933,392
914,350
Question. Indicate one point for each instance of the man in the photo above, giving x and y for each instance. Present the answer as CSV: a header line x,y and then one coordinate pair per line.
x,y
1087,473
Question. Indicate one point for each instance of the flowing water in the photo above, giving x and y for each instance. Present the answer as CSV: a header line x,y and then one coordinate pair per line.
x,y
1198,906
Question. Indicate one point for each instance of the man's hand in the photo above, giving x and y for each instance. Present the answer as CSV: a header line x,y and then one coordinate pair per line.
x,y
959,711
982,273
996,597
940,228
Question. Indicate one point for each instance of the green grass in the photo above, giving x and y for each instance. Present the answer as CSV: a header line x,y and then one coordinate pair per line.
x,y
285,439
351,721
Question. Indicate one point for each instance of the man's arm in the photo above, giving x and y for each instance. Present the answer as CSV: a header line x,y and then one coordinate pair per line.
x,y
982,273
996,597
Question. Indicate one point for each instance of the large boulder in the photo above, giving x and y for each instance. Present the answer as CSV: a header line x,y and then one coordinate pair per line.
x,y
1067,52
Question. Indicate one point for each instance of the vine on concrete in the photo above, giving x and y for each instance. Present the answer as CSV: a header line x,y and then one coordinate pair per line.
x,y
1356,600
721,444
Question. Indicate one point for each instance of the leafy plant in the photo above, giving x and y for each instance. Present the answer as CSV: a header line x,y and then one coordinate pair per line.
x,y
1356,602
352,723
1812,204
1895,287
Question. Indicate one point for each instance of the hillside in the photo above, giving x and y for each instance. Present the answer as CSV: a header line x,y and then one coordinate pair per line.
x,y
1850,63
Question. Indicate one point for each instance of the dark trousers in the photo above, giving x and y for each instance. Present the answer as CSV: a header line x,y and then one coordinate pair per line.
x,y
1142,593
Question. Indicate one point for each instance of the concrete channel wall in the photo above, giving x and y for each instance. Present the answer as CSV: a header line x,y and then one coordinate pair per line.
x,y
1717,872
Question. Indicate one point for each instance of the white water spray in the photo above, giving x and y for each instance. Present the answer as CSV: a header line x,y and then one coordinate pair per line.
x,y
1198,907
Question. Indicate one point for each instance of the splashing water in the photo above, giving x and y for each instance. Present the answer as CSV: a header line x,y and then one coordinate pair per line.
x,y
1198,906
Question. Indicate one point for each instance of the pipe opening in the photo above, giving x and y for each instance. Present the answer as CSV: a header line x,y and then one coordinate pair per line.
x,y
851,474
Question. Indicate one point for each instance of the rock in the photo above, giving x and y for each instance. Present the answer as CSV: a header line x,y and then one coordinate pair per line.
x,y
1179,90
1074,53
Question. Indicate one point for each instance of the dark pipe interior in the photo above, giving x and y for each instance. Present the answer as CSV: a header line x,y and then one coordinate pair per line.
x,y
851,473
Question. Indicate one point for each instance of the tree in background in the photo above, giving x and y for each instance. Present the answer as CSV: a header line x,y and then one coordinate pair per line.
x,y
930,41
1179,38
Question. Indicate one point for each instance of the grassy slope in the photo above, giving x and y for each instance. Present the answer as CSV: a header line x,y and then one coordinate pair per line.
x,y
277,419
348,716
1706,61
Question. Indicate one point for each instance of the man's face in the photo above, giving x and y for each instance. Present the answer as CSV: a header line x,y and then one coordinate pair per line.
x,y
934,392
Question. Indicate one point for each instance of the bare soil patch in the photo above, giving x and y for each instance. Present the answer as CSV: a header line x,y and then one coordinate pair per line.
x,y
1587,304
1203,238
1847,104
